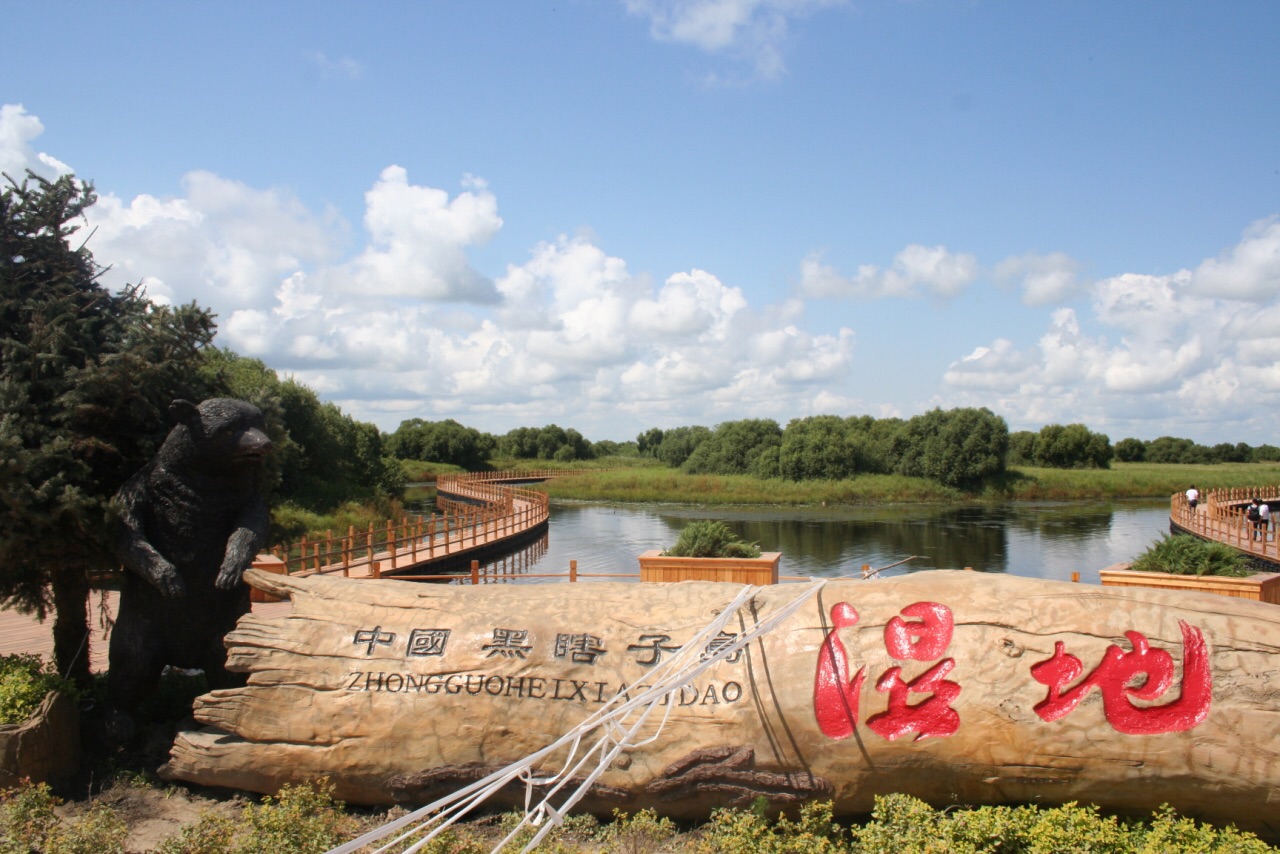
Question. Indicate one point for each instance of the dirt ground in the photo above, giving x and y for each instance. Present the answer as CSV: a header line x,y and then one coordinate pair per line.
x,y
152,813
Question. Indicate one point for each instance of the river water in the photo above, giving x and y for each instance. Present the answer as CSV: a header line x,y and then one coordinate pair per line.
x,y
1036,540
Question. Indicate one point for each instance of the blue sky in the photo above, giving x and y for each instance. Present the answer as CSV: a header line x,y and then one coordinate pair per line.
x,y
621,215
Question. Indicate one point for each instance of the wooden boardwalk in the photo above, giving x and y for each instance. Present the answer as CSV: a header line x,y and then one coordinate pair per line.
x,y
480,513
1220,516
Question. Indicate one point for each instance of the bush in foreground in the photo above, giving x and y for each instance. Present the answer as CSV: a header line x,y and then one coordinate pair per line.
x,y
304,819
1183,554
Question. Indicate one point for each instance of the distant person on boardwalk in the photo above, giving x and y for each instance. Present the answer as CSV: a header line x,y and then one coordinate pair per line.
x,y
1264,512
1254,515
1193,497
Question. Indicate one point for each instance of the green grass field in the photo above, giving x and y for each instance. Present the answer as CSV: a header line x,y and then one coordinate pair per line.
x,y
1124,480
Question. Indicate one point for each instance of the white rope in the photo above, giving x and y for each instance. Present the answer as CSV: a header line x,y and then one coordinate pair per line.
x,y
615,734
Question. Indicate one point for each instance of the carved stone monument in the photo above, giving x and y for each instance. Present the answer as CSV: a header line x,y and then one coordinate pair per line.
x,y
957,687
193,519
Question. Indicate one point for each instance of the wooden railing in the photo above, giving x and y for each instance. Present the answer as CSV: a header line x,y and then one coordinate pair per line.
x,y
1220,516
480,513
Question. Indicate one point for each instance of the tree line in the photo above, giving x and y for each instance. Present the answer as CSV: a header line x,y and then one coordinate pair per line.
x,y
963,448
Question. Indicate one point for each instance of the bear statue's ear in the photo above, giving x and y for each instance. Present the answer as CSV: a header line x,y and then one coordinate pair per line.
x,y
183,412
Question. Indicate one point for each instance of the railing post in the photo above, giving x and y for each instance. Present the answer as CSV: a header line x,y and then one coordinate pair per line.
x,y
475,572
573,571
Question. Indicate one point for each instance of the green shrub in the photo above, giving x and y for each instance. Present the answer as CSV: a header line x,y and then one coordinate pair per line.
x,y
300,818
1183,554
28,823
24,681
901,824
212,833
711,539
639,833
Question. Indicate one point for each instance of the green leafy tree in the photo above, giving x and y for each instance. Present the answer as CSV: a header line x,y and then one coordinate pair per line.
x,y
1131,450
441,442
322,457
678,445
821,447
1225,452
749,446
1266,454
1169,449
874,438
86,378
960,448
648,442
544,443
1071,446
337,458
519,444
1022,448
610,448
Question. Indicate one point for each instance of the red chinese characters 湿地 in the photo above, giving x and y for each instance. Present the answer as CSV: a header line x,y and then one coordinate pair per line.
x,y
925,637
1116,675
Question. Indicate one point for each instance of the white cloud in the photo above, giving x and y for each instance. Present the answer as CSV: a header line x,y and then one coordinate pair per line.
x,y
754,30
223,243
933,270
1250,270
1169,354
1044,279
18,129
419,238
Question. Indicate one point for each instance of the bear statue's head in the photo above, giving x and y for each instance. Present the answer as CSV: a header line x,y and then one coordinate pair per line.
x,y
219,434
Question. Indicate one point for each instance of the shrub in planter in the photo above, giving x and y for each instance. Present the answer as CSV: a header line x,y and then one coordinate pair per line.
x,y
39,722
711,539
25,680
1183,554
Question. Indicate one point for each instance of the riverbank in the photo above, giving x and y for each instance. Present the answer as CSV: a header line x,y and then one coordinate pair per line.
x,y
1122,481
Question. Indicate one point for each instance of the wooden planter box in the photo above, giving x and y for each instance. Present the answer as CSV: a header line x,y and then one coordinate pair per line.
x,y
1260,587
44,747
654,566
267,563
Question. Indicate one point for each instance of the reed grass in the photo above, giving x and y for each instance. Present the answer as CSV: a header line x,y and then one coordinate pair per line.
x,y
656,485
1122,481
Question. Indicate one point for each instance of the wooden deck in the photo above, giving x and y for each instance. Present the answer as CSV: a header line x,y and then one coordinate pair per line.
x,y
1220,517
480,512
21,633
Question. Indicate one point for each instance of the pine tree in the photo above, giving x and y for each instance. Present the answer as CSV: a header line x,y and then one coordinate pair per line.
x,y
86,376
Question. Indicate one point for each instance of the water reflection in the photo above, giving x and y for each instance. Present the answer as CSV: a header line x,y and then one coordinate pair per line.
x,y
1036,540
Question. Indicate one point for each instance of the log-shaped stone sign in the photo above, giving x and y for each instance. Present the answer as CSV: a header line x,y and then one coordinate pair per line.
x,y
957,687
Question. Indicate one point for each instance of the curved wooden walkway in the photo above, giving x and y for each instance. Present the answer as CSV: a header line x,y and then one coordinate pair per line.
x,y
479,511
1219,516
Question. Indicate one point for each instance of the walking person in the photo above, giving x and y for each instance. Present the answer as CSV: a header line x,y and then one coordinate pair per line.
x,y
1254,516
1264,514
1193,497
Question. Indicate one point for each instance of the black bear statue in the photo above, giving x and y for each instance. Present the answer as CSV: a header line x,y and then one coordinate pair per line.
x,y
193,519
